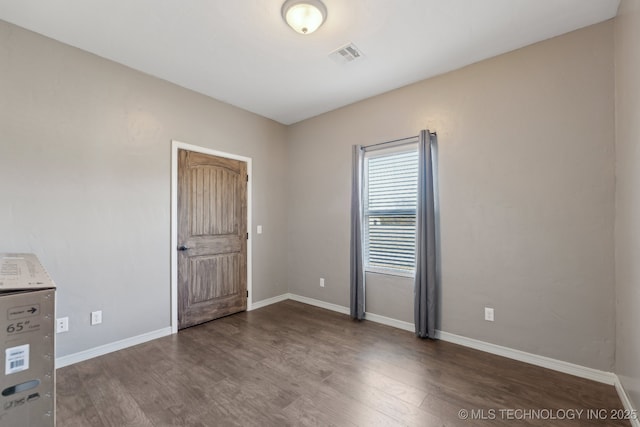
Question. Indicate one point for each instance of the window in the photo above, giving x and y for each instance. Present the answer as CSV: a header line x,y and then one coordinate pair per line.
x,y
390,193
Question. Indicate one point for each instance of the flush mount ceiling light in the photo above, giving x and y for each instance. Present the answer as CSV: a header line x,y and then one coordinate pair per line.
x,y
304,16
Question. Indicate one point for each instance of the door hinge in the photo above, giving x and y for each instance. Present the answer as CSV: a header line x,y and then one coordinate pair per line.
x,y
247,178
247,294
247,236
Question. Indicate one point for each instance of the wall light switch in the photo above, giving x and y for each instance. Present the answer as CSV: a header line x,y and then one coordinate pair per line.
x,y
488,314
96,317
321,282
259,229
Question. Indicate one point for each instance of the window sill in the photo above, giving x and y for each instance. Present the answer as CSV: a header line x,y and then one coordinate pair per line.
x,y
390,272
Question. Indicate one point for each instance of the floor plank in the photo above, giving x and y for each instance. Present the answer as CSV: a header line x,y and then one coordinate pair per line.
x,y
291,364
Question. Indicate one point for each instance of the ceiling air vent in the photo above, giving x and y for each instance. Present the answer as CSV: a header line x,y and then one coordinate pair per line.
x,y
346,54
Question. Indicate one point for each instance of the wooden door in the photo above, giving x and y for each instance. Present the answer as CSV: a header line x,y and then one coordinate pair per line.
x,y
212,237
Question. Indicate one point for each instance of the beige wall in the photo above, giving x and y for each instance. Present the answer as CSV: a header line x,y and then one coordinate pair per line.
x,y
627,225
526,159
526,179
85,148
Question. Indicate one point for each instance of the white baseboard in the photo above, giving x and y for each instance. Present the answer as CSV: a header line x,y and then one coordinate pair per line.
x,y
533,359
319,303
268,301
626,402
400,324
81,356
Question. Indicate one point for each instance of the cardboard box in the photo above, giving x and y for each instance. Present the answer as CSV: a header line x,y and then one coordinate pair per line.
x,y
27,342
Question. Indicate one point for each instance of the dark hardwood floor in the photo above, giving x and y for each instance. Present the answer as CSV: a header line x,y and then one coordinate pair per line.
x,y
294,364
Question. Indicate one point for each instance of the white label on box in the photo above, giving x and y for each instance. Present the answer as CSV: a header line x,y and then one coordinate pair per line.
x,y
17,359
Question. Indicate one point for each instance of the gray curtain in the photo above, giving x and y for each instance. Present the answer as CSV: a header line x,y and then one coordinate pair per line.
x,y
425,290
357,256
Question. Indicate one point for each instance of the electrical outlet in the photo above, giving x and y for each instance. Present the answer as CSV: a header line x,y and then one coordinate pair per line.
x,y
62,325
96,317
488,314
321,282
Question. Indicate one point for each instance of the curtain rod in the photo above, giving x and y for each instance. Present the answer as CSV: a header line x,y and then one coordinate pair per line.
x,y
400,141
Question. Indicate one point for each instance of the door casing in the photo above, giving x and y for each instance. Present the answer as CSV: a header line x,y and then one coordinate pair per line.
x,y
175,146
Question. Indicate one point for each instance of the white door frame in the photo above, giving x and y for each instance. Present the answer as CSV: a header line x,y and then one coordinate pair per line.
x,y
175,146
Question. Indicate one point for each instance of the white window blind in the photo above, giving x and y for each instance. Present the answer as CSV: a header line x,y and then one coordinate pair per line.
x,y
391,185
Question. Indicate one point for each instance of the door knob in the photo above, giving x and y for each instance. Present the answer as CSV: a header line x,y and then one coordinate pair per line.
x,y
183,248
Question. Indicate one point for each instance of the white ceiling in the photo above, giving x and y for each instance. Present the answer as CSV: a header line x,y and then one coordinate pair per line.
x,y
242,52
